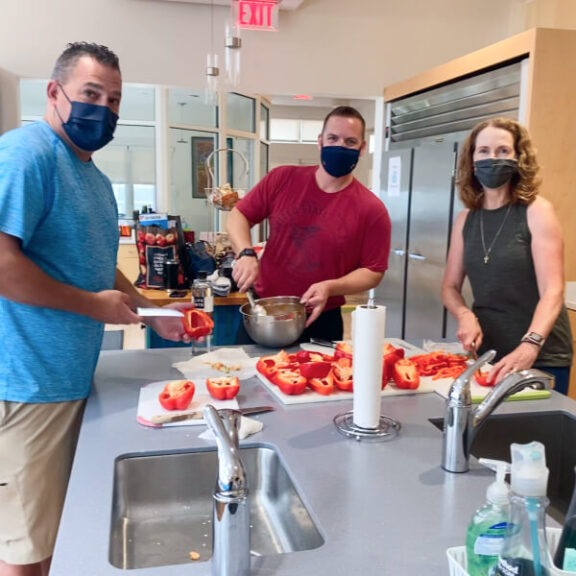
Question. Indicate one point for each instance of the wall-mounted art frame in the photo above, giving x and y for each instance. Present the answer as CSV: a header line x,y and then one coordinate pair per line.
x,y
202,147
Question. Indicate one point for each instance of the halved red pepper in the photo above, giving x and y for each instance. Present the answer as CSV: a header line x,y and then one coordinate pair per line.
x,y
177,395
405,374
315,369
324,386
197,323
342,370
290,381
482,378
391,356
223,388
269,365
343,350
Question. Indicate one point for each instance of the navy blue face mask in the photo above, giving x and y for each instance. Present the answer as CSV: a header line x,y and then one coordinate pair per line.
x,y
339,161
89,126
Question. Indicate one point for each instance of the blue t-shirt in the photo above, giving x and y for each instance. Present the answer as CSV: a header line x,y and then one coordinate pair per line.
x,y
64,212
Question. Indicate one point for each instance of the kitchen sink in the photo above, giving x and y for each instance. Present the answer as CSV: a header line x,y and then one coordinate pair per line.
x,y
556,430
162,508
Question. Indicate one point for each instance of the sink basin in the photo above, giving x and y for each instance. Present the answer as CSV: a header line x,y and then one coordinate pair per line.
x,y
556,430
162,508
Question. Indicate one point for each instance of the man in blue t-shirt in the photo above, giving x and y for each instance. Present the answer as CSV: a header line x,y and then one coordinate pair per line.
x,y
58,287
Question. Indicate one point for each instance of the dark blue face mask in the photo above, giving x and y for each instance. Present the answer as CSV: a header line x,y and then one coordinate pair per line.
x,y
339,161
89,126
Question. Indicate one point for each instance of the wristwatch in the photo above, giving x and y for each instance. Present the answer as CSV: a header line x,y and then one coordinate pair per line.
x,y
247,252
534,338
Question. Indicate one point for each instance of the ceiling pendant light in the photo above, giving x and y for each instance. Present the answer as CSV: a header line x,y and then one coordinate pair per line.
x,y
212,70
233,43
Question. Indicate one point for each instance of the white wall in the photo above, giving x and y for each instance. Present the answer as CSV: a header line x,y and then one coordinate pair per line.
x,y
326,47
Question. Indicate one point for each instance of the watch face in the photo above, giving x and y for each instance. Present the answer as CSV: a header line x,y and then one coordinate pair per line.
x,y
536,337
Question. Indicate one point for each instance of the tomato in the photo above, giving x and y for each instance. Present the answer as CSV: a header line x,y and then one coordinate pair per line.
x,y
290,381
223,388
315,369
405,374
197,323
342,370
324,386
482,378
177,395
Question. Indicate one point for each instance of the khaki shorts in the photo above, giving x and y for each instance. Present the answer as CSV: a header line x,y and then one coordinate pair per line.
x,y
37,443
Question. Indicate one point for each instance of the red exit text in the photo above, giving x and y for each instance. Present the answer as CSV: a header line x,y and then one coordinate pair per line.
x,y
257,15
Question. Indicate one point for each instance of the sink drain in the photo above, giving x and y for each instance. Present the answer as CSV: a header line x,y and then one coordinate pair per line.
x,y
387,428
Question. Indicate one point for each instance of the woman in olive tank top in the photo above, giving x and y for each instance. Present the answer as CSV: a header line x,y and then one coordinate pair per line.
x,y
508,242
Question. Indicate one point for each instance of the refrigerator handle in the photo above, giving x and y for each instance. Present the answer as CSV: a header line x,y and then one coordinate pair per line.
x,y
414,256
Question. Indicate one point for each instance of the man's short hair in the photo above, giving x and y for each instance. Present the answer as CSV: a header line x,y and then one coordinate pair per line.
x,y
76,50
346,112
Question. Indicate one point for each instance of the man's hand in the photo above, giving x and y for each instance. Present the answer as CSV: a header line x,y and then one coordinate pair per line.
x,y
314,299
245,272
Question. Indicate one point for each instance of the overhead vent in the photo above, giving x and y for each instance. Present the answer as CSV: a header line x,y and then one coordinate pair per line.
x,y
455,108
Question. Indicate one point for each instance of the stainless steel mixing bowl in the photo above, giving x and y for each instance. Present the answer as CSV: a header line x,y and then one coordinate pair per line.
x,y
282,324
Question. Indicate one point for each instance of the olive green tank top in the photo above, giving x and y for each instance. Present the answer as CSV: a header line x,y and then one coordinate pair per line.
x,y
504,287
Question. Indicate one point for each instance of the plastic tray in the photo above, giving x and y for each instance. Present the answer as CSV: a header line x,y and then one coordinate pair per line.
x,y
459,567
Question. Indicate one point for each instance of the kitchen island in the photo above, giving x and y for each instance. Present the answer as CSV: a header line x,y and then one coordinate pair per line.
x,y
382,508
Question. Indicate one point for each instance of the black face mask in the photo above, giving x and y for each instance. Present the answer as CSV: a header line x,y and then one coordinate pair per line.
x,y
495,172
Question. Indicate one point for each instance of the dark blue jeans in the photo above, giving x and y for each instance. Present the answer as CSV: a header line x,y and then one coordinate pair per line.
x,y
561,377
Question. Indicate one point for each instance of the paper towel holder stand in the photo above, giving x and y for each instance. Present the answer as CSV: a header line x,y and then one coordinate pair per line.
x,y
387,428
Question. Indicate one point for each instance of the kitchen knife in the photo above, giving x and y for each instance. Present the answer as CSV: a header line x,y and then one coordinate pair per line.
x,y
160,419
320,342
158,312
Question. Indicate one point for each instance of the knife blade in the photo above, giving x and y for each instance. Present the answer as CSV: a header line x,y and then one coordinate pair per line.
x,y
158,312
161,419
320,342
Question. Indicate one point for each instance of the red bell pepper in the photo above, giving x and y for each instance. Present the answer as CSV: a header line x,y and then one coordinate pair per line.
x,y
482,378
223,388
324,386
342,370
391,356
290,381
405,374
315,369
343,350
177,395
269,365
197,323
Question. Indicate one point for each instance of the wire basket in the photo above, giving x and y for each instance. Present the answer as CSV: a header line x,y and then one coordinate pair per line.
x,y
458,562
225,197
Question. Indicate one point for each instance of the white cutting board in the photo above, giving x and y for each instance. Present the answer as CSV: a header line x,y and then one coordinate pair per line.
x,y
480,392
149,405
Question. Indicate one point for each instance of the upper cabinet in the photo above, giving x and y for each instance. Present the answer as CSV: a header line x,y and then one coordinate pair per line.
x,y
547,107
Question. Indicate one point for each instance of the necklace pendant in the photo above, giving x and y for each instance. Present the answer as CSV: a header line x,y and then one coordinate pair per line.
x,y
486,258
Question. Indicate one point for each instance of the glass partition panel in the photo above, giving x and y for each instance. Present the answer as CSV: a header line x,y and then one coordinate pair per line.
x,y
264,123
241,112
137,102
240,164
130,163
263,159
189,150
186,107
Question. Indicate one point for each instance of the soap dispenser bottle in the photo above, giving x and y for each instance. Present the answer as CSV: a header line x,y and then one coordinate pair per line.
x,y
525,549
487,528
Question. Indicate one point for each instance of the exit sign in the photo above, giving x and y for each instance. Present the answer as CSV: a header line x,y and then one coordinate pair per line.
x,y
257,14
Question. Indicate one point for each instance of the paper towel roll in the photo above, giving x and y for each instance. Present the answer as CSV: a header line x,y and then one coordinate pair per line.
x,y
368,326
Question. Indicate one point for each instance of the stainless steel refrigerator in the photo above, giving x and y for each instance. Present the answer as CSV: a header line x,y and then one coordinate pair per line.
x,y
418,190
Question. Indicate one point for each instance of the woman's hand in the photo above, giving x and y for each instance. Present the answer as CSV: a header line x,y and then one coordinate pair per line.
x,y
469,332
521,358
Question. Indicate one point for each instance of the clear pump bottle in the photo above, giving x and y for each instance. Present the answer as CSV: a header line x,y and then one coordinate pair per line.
x,y
565,555
525,549
487,529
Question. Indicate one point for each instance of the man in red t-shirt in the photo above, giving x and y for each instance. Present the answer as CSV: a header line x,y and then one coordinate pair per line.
x,y
329,234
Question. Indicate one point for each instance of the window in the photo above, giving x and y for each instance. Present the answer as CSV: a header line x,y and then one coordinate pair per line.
x,y
240,112
295,130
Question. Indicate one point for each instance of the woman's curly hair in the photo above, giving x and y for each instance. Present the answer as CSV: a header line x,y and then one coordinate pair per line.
x,y
525,183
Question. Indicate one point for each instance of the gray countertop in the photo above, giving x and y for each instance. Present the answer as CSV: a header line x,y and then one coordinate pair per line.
x,y
382,508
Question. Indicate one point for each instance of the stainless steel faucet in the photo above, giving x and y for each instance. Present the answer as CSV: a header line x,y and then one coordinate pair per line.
x,y
461,422
231,522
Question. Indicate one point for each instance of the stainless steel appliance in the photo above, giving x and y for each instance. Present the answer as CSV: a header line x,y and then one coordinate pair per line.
x,y
418,190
